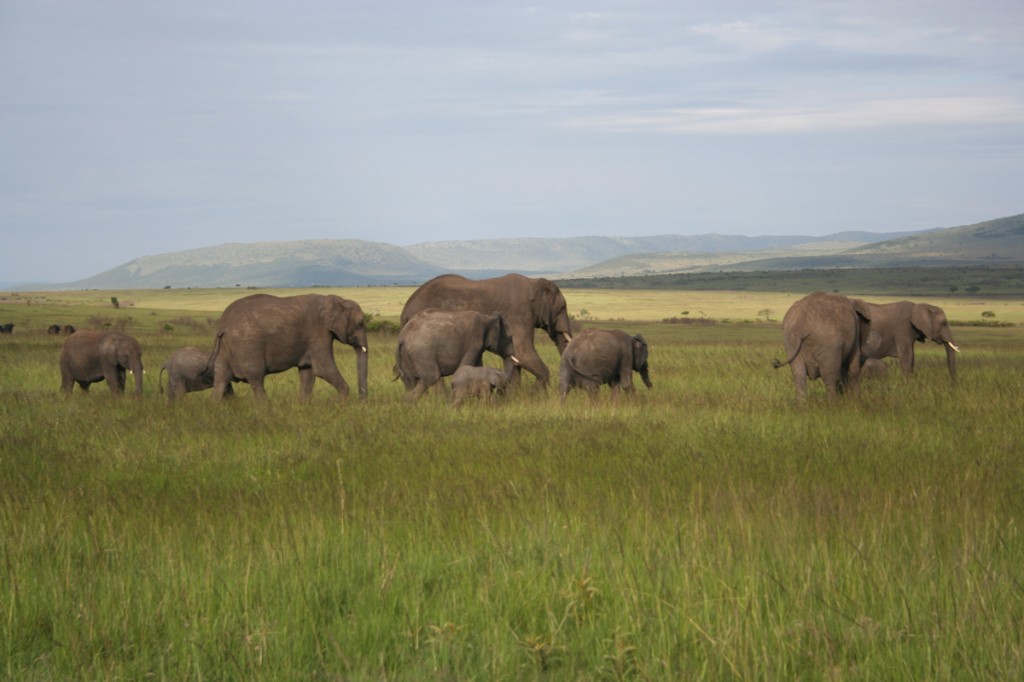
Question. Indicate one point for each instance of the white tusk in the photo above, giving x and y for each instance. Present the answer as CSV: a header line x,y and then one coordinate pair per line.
x,y
954,346
362,348
514,359
568,337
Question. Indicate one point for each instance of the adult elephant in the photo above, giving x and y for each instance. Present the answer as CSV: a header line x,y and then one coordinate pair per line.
x,y
525,304
895,327
263,334
435,343
598,356
90,356
822,337
188,370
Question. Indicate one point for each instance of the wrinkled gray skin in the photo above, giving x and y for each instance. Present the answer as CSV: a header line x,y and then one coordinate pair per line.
x,y
821,333
187,371
524,303
262,334
90,356
597,356
435,343
895,327
479,382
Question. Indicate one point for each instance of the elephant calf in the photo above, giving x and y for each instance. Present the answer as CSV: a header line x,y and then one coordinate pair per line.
x,y
598,356
482,382
188,371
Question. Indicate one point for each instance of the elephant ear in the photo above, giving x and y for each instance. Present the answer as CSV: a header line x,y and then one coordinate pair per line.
x,y
336,315
639,352
921,319
545,290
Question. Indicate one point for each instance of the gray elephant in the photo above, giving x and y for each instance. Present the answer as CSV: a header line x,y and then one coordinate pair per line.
x,y
263,334
894,327
435,343
90,356
822,336
188,371
479,382
525,304
598,356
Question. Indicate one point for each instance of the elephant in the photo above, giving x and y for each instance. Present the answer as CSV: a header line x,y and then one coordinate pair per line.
x,y
481,382
7,328
435,343
525,304
822,336
187,371
262,334
89,356
598,356
894,327
53,329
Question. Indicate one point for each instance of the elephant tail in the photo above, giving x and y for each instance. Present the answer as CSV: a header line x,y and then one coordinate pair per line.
x,y
160,380
213,354
775,362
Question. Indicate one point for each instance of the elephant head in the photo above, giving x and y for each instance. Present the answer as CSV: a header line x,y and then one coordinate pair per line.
x,y
346,323
551,313
930,322
640,359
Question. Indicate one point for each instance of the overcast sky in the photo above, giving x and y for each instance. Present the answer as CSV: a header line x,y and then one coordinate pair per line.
x,y
137,127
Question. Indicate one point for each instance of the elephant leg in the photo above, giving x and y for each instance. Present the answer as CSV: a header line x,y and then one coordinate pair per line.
x,y
799,370
259,391
907,360
306,379
115,380
325,368
532,363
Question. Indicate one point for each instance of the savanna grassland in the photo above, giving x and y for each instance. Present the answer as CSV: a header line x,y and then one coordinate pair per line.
x,y
705,529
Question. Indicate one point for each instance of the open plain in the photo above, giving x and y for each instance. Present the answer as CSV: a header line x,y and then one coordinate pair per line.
x,y
708,528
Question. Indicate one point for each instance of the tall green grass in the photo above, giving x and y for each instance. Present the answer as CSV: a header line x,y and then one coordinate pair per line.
x,y
706,529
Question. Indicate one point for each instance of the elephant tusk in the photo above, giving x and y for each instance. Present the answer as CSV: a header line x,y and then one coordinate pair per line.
x,y
514,359
362,348
954,346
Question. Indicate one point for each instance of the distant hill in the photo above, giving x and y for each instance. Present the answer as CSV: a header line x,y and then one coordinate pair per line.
x,y
331,262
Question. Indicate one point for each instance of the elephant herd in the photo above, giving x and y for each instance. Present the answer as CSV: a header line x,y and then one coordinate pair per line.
x,y
449,322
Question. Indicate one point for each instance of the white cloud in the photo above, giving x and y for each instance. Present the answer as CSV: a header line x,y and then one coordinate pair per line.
x,y
747,120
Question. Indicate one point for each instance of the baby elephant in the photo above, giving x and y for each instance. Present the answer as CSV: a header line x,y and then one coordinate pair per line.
x,y
598,356
187,371
482,382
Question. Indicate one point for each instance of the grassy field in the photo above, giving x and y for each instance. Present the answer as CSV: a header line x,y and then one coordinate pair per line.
x,y
705,529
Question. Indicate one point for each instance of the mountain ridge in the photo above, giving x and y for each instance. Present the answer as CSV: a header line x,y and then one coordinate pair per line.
x,y
357,262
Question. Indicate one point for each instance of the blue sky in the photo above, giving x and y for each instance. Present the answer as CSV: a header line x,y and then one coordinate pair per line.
x,y
137,127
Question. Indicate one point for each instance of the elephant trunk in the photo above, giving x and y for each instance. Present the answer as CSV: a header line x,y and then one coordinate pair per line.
x,y
951,351
136,367
646,376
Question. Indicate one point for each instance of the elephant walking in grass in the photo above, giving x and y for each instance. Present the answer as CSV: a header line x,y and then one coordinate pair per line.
x,y
263,334
479,382
90,356
597,356
895,327
525,304
822,337
435,343
188,371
